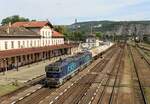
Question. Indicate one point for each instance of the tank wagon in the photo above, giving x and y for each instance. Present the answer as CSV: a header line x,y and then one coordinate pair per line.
x,y
57,73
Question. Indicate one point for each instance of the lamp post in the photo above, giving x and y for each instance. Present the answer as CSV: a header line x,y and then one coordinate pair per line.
x,y
5,64
1,61
17,63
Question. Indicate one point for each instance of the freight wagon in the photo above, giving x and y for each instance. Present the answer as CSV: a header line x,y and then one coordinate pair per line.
x,y
57,73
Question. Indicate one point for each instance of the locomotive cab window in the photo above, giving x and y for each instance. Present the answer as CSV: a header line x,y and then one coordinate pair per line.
x,y
56,69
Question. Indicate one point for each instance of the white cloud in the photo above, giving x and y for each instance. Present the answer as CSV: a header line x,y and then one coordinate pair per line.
x,y
65,10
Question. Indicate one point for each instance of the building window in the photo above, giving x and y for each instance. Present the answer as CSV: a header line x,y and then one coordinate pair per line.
x,y
38,43
52,42
49,42
46,42
6,46
43,42
12,44
23,44
31,43
19,44
46,33
27,43
43,33
35,43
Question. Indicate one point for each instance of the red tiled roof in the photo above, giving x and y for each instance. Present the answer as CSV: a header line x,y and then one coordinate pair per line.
x,y
56,34
31,24
25,51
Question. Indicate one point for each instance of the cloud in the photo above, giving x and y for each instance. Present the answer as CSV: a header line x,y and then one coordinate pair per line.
x,y
65,11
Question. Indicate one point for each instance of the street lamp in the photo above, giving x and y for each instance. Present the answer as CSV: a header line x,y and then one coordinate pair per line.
x,y
5,64
1,61
17,63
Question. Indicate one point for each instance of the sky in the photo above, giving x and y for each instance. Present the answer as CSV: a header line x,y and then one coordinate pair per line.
x,y
64,12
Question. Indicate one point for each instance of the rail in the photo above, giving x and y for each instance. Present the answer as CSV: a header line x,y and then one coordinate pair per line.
x,y
139,81
107,82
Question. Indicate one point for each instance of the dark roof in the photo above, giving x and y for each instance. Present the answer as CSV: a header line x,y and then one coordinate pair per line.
x,y
32,24
6,31
25,51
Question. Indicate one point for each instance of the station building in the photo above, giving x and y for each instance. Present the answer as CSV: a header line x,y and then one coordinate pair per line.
x,y
23,43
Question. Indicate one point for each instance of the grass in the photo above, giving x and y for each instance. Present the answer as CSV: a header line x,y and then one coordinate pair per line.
x,y
147,92
5,89
147,53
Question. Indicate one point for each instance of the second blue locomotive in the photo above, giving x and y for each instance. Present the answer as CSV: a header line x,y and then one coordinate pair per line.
x,y
57,73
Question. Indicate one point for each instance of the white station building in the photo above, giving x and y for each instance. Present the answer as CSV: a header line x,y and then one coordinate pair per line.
x,y
23,43
29,35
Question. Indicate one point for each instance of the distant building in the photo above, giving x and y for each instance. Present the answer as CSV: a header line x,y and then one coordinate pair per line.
x,y
91,41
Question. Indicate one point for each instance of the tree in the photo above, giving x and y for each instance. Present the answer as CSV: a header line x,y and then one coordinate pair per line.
x,y
65,31
99,34
70,35
13,19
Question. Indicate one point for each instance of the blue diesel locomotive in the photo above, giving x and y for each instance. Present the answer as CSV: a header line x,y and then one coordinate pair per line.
x,y
57,73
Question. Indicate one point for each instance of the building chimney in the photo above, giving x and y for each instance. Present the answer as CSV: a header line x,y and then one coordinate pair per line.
x,y
9,24
8,27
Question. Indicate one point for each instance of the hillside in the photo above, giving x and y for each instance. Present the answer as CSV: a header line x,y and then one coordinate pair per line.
x,y
114,27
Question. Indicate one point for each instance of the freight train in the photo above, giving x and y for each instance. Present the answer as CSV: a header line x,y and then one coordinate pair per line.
x,y
60,71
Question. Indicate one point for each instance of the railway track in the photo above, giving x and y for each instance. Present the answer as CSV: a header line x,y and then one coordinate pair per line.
x,y
143,47
81,85
42,93
107,97
140,76
144,56
32,85
81,88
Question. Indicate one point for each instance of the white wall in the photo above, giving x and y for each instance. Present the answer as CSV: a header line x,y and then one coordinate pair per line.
x,y
46,32
45,40
24,43
29,42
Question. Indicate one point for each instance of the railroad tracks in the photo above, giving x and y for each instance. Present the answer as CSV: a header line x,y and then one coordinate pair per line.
x,y
110,97
144,56
29,87
80,88
141,75
99,84
76,94
38,96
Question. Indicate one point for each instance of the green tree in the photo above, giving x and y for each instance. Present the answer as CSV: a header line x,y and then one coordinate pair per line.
x,y
99,35
60,29
70,35
13,19
63,30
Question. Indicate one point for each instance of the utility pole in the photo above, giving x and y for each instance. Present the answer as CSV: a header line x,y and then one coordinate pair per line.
x,y
91,30
5,66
